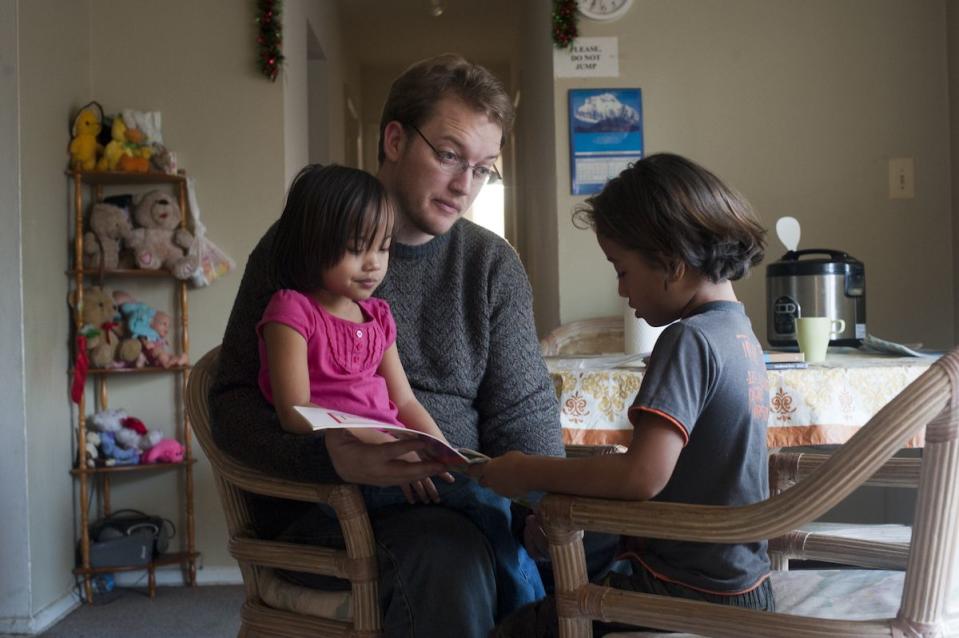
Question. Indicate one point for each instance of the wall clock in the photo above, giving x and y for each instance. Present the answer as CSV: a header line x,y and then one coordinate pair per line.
x,y
603,9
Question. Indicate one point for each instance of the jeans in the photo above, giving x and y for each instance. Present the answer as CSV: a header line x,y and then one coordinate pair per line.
x,y
518,581
438,566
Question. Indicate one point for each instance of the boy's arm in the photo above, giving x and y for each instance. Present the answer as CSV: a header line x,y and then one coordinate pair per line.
x,y
410,412
638,474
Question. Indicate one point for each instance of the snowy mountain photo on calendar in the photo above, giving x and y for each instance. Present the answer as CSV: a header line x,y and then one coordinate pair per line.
x,y
605,113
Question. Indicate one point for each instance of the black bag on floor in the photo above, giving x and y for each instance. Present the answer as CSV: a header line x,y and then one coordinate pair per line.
x,y
128,537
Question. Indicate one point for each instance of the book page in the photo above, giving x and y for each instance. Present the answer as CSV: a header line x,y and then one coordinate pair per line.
x,y
362,427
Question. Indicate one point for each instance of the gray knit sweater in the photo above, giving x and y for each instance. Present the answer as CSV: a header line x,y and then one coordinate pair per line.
x,y
463,309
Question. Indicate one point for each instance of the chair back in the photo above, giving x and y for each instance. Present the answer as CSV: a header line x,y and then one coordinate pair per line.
x,y
274,606
929,604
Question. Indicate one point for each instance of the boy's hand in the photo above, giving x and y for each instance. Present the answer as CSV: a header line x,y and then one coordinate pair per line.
x,y
503,474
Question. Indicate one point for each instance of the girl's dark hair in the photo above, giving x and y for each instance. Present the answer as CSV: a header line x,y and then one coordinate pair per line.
x,y
672,210
328,210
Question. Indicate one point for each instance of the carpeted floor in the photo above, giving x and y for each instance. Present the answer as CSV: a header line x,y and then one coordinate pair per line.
x,y
185,612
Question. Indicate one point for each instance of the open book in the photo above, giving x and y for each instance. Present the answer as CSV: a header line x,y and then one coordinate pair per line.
x,y
361,428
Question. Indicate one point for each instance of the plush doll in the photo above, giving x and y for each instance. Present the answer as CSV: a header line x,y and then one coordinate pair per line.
x,y
106,348
156,349
109,225
165,451
83,147
134,434
106,424
92,442
158,242
115,148
109,420
151,327
119,455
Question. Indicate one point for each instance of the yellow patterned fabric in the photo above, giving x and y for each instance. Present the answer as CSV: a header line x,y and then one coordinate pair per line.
x,y
824,403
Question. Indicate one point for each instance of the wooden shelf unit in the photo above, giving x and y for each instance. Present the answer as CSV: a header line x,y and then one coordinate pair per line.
x,y
100,476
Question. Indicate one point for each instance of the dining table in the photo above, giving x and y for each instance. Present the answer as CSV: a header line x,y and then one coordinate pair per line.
x,y
823,403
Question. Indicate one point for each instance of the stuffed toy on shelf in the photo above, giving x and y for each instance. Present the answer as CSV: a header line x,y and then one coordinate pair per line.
x,y
109,226
84,147
157,240
106,347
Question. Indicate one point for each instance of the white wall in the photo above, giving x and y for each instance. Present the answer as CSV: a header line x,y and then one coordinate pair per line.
x,y
15,603
224,120
798,105
537,183
298,122
52,86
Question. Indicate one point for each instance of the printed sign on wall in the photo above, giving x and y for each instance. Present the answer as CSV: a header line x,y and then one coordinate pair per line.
x,y
587,58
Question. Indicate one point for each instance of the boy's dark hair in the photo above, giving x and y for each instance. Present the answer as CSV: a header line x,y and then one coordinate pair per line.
x,y
413,95
672,210
328,209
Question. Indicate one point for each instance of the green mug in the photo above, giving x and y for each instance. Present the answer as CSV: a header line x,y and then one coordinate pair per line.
x,y
813,334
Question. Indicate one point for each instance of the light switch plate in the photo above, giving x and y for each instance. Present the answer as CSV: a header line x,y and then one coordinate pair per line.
x,y
901,178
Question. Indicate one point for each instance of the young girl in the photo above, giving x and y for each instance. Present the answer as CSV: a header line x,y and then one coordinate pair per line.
x,y
676,237
324,340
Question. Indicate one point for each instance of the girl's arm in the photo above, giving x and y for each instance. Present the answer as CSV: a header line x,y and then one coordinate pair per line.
x,y
638,474
289,375
290,381
411,412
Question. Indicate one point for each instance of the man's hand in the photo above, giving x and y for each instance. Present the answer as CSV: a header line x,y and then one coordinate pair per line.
x,y
377,464
534,538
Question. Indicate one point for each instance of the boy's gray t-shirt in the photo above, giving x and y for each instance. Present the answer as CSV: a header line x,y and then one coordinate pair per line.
x,y
707,376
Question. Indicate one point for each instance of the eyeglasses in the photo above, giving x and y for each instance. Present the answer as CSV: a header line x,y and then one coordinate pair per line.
x,y
453,164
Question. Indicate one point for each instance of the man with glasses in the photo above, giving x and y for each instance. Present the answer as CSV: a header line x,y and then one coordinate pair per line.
x,y
463,309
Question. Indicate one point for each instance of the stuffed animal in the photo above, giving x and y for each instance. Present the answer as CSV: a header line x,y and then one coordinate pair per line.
x,y
109,420
83,147
109,225
105,424
116,454
127,151
115,148
165,451
156,349
92,443
151,327
158,242
134,434
106,348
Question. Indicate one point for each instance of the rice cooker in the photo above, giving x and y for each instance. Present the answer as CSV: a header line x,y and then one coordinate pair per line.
x,y
815,282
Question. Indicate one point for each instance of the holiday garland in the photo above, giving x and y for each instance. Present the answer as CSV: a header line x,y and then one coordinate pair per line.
x,y
564,23
270,37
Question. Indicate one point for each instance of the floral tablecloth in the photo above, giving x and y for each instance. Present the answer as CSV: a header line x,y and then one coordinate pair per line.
x,y
824,403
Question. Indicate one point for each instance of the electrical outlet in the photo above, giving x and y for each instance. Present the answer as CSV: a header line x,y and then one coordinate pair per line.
x,y
901,178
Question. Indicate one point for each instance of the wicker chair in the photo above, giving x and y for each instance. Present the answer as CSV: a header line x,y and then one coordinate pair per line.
x,y
924,599
273,606
589,336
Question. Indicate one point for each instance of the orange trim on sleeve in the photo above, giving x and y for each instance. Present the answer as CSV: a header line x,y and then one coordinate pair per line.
x,y
635,557
679,426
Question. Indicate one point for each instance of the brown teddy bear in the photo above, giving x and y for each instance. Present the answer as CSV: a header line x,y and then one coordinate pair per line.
x,y
106,347
159,242
109,225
